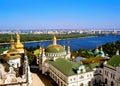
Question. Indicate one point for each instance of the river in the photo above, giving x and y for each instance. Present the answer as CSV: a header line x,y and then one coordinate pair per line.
x,y
77,43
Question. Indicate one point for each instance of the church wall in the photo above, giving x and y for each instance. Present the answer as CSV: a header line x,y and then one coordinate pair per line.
x,y
58,73
78,79
55,54
15,58
117,74
15,62
109,74
98,76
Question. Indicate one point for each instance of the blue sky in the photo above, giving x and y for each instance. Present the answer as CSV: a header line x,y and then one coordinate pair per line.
x,y
59,14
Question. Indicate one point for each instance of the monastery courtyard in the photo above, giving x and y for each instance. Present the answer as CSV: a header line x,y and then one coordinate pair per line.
x,y
41,80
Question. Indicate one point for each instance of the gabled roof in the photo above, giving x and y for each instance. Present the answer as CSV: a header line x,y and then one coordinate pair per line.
x,y
114,61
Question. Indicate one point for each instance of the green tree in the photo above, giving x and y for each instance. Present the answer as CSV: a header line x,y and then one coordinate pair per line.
x,y
30,57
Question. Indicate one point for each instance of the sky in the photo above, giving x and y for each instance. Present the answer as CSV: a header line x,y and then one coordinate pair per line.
x,y
59,14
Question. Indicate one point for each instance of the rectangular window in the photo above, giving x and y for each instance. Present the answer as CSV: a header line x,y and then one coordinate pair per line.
x,y
107,73
113,76
87,75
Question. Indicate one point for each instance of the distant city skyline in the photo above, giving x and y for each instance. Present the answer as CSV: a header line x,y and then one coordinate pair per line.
x,y
59,14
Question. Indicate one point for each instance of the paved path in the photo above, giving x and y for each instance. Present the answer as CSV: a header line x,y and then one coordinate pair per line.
x,y
41,80
36,80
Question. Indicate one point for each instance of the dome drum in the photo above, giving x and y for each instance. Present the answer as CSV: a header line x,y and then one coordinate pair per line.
x,y
56,54
55,50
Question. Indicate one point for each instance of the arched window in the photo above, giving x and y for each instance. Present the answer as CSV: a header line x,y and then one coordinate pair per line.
x,y
112,83
105,81
53,75
89,83
58,81
95,81
81,70
17,64
61,83
81,84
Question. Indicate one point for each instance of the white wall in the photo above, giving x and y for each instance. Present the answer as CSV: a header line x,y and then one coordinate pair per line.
x,y
77,79
15,62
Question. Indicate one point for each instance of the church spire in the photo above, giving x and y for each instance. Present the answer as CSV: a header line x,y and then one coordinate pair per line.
x,y
117,52
43,54
12,42
64,46
97,50
101,48
40,48
54,40
17,37
43,50
19,46
68,47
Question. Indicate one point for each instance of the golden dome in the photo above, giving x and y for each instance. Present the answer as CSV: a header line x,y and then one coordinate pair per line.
x,y
54,40
13,54
19,45
55,49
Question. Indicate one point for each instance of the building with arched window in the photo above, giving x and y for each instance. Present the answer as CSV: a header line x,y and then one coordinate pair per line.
x,y
56,61
14,68
109,74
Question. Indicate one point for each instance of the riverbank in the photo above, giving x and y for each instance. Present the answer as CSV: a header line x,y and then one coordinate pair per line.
x,y
27,38
50,40
88,43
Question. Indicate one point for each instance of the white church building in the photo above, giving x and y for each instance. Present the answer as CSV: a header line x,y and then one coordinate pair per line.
x,y
14,68
109,73
55,61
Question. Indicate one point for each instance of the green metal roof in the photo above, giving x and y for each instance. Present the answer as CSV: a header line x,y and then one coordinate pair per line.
x,y
114,61
68,67
93,65
90,52
101,52
65,66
